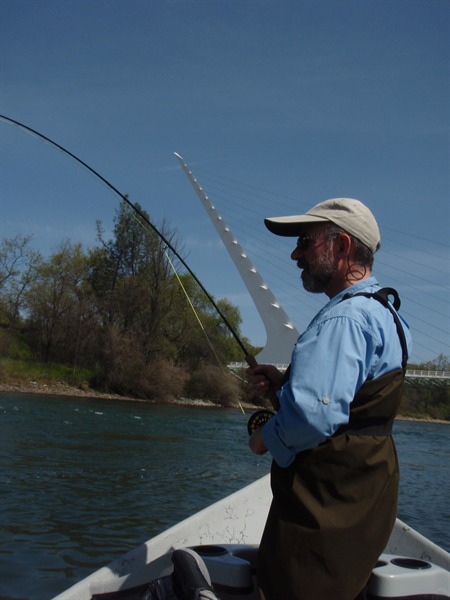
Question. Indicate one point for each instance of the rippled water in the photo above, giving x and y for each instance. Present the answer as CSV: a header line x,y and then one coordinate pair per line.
x,y
83,481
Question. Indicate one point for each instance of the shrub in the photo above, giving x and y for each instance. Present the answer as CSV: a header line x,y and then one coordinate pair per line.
x,y
214,384
161,380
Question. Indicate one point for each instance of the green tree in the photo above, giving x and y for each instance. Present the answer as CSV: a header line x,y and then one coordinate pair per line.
x,y
59,314
204,338
123,310
135,294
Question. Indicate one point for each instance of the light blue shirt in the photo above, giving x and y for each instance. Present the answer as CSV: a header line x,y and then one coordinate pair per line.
x,y
346,343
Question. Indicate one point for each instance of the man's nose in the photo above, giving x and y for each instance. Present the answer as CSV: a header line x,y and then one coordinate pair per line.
x,y
296,253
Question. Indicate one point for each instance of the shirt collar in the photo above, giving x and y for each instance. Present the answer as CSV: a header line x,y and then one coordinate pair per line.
x,y
354,289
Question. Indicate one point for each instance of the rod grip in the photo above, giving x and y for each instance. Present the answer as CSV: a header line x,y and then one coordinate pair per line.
x,y
251,360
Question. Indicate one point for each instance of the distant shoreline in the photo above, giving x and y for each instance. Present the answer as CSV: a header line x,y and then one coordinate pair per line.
x,y
63,389
66,390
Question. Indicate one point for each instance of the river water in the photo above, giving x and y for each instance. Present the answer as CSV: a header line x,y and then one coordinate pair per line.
x,y
85,480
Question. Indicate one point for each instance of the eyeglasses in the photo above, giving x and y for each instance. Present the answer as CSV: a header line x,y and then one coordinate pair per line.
x,y
305,241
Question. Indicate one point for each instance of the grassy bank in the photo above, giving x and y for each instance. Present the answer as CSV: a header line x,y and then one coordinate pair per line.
x,y
16,371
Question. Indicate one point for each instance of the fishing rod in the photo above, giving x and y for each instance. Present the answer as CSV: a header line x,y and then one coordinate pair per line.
x,y
250,359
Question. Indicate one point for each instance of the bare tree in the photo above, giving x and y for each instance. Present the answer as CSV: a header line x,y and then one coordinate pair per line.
x,y
18,268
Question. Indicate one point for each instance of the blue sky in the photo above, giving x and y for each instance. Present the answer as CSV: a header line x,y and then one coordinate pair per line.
x,y
274,105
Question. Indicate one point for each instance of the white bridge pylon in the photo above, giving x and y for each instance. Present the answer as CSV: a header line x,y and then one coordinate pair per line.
x,y
281,335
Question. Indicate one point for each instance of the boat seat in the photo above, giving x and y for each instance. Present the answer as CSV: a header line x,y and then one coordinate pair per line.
x,y
189,580
190,577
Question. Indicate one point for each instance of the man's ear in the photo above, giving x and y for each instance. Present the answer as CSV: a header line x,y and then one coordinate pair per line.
x,y
345,243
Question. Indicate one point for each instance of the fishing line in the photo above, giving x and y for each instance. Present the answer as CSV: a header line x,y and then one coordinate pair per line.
x,y
248,357
194,310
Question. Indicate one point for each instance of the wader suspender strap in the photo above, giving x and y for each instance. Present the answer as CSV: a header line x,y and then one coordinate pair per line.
x,y
382,296
379,426
286,376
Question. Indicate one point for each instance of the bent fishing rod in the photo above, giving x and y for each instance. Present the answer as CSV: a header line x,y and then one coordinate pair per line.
x,y
250,359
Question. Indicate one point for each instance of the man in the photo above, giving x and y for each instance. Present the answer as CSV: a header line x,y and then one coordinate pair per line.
x,y
334,475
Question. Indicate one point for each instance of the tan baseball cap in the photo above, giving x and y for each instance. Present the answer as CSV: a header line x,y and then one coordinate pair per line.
x,y
347,213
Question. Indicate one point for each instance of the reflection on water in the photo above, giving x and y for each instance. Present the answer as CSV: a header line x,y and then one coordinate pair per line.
x,y
86,480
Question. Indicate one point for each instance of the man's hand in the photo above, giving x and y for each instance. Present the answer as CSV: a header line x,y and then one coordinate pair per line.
x,y
266,380
256,442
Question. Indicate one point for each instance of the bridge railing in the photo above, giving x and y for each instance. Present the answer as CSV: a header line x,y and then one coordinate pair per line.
x,y
409,372
431,374
243,365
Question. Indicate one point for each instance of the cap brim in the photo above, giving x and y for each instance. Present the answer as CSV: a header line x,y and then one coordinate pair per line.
x,y
291,226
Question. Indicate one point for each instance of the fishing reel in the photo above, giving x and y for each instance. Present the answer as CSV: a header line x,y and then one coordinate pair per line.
x,y
258,419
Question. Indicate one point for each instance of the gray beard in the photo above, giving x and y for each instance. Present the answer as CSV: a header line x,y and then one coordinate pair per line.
x,y
317,277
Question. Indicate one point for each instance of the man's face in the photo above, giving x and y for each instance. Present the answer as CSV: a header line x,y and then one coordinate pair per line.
x,y
315,255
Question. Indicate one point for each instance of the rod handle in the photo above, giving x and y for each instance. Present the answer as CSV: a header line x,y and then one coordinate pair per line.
x,y
251,360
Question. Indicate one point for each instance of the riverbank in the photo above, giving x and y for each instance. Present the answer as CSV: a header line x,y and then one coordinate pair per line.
x,y
63,389
58,389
